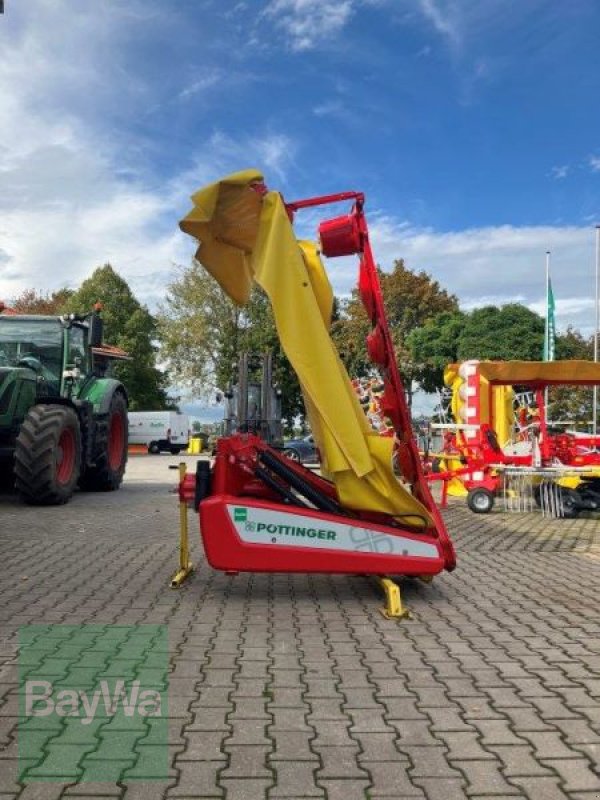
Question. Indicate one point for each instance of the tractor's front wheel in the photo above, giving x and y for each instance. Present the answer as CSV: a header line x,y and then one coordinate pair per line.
x,y
110,449
48,455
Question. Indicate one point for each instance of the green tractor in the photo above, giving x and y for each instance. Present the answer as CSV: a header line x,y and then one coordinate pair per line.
x,y
63,422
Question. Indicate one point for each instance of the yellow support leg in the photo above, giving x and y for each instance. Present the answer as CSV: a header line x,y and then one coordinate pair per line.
x,y
394,608
185,565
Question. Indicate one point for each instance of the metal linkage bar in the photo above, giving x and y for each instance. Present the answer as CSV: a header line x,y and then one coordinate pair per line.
x,y
284,493
283,471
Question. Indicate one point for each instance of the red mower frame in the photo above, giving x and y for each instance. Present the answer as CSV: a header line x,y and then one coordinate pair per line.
x,y
261,512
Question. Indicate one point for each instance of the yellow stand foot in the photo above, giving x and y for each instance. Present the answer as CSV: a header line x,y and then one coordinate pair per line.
x,y
181,575
185,565
394,608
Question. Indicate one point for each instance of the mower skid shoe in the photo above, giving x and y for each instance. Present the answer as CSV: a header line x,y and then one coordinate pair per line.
x,y
251,535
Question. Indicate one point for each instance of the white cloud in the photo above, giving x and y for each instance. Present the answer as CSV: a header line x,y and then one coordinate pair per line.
x,y
594,162
559,172
272,152
76,191
307,23
443,17
211,78
330,108
492,265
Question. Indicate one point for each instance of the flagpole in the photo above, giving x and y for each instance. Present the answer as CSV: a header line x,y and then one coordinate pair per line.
x,y
596,330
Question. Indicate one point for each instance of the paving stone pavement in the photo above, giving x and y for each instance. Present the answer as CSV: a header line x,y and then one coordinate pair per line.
x,y
294,686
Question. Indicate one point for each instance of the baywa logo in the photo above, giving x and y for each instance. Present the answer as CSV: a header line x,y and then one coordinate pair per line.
x,y
93,703
43,699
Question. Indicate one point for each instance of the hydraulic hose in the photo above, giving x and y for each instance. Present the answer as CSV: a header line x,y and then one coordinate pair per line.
x,y
317,498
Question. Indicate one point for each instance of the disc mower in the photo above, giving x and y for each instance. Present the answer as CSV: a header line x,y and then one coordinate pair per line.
x,y
370,510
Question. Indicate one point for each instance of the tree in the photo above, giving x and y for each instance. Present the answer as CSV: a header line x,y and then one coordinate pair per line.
x,y
435,345
198,331
129,325
505,333
31,301
203,334
509,332
411,300
572,403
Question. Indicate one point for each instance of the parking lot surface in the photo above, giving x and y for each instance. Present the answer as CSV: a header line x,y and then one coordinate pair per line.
x,y
295,686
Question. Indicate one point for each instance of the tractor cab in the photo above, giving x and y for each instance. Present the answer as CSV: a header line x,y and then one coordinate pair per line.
x,y
33,344
63,420
53,349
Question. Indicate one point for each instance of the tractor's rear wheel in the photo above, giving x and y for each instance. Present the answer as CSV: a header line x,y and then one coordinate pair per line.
x,y
110,449
48,455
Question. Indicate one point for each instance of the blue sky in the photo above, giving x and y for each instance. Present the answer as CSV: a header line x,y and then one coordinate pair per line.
x,y
472,125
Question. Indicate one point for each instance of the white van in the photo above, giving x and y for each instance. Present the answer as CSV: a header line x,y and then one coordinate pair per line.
x,y
159,430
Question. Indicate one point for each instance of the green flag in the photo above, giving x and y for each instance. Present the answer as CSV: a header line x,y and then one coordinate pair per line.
x,y
550,332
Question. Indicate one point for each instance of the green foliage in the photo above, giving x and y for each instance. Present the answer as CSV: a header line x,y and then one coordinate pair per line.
x,y
509,332
435,345
203,333
31,301
129,325
411,299
349,332
572,344
198,327
572,403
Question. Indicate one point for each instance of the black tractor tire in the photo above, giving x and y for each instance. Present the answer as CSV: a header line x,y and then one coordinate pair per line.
x,y
110,449
175,451
48,455
480,500
154,449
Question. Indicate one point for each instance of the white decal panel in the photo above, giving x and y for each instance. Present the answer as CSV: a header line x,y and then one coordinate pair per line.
x,y
261,526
